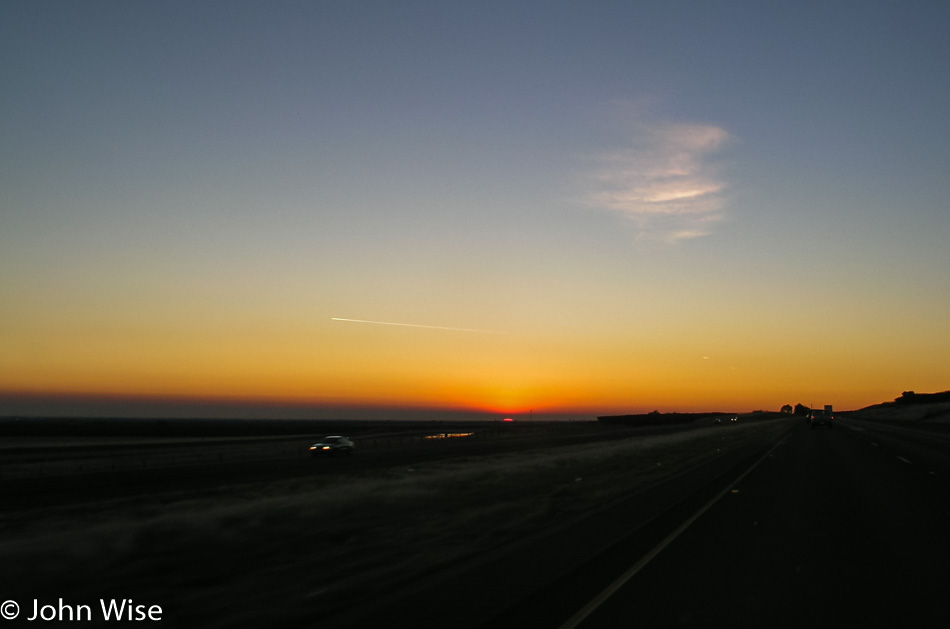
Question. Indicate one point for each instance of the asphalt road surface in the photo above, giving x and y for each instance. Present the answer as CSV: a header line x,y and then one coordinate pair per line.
x,y
842,527
40,471
838,528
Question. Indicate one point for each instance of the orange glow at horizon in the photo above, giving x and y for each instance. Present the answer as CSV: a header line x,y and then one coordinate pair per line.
x,y
545,362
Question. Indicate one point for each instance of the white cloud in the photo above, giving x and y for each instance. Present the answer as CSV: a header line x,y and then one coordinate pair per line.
x,y
666,182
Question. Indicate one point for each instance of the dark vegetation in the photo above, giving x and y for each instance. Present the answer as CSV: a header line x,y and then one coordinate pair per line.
x,y
909,397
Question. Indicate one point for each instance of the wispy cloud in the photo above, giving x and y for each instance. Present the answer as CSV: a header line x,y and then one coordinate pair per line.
x,y
665,180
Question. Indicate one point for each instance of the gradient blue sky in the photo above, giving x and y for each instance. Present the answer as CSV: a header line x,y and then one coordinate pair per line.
x,y
637,205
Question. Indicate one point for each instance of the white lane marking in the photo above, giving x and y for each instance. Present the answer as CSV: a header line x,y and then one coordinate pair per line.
x,y
611,589
904,460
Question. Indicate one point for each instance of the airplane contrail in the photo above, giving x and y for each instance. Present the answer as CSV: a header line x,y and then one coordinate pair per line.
x,y
414,325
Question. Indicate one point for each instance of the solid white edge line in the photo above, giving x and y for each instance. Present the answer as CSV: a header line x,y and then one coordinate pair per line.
x,y
611,589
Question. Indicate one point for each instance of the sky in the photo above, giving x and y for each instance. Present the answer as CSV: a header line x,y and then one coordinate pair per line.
x,y
518,209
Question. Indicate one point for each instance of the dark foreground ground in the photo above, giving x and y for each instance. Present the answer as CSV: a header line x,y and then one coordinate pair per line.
x,y
239,531
474,526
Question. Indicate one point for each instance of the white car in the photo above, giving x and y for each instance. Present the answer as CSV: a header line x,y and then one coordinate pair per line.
x,y
332,446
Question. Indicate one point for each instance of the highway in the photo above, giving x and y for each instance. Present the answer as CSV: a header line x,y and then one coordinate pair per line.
x,y
820,527
38,471
788,525
841,527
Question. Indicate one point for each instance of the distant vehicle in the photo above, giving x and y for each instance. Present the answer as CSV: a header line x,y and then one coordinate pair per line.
x,y
734,418
821,418
332,446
